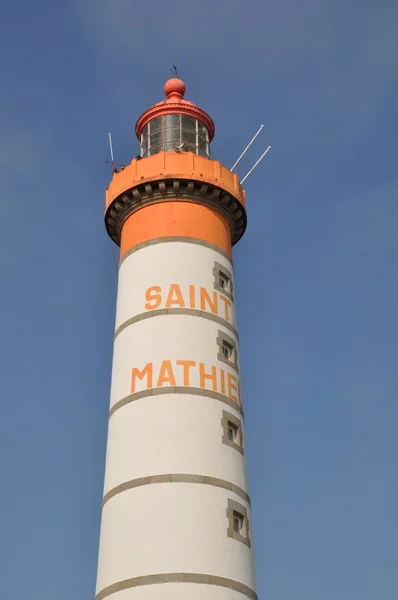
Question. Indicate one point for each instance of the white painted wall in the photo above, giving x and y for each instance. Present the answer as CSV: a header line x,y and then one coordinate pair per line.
x,y
168,337
169,527
163,264
172,433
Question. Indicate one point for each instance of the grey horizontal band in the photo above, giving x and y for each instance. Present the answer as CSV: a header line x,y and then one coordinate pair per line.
x,y
175,478
177,578
183,240
192,312
160,391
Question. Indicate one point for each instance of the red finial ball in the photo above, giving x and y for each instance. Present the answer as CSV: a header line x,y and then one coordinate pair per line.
x,y
174,87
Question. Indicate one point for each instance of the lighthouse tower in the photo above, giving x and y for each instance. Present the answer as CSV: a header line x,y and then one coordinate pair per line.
x,y
176,508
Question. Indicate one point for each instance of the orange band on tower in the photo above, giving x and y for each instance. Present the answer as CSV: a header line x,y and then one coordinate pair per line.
x,y
175,219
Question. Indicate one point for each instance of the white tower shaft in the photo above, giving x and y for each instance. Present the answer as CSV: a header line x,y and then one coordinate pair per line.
x,y
176,506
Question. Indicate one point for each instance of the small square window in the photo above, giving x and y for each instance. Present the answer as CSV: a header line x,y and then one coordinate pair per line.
x,y
227,351
238,524
232,431
223,280
238,521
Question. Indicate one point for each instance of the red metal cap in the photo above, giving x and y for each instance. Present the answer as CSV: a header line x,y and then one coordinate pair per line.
x,y
175,104
174,87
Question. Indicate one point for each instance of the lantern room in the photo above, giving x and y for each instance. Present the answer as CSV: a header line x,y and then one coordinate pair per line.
x,y
175,125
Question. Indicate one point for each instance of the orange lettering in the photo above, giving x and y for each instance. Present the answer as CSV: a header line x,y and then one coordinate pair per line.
x,y
203,376
179,300
231,386
153,294
227,304
166,374
186,364
192,302
205,297
136,373
222,381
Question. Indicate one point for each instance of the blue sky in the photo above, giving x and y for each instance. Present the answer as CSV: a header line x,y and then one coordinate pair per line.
x,y
316,274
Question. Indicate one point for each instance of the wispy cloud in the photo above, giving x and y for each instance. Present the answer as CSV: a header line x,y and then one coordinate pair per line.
x,y
303,68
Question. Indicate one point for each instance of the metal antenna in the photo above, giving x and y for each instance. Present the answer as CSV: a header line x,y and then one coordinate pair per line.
x,y
174,70
247,147
255,164
112,161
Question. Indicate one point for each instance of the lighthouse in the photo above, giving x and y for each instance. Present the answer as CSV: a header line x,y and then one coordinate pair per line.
x,y
176,521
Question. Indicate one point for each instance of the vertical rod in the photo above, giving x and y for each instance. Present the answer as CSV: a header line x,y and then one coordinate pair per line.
x,y
255,164
247,147
111,148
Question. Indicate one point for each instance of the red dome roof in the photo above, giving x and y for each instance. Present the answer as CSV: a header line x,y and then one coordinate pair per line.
x,y
175,103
